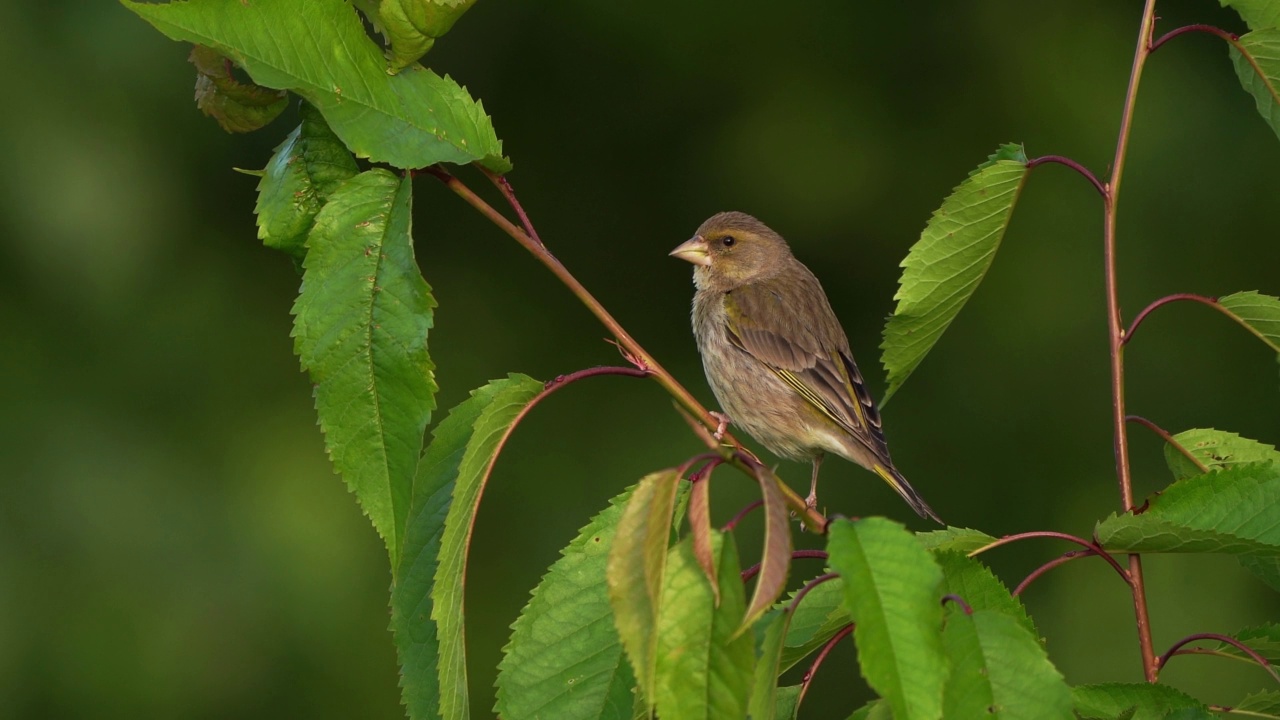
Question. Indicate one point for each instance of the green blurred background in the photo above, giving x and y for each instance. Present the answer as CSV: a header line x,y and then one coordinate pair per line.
x,y
173,542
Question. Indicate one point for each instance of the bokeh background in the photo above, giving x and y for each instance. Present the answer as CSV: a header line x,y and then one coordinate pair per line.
x,y
173,542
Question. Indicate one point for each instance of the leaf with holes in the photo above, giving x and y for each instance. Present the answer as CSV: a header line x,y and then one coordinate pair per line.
x,y
944,267
1217,450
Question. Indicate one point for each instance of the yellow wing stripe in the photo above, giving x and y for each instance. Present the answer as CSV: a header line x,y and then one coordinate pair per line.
x,y
808,394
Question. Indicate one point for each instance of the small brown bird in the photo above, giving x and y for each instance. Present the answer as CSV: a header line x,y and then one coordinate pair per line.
x,y
775,354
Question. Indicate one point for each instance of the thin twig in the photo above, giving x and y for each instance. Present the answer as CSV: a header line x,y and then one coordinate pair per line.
x,y
733,522
1061,160
1164,435
1061,560
959,601
817,661
1229,37
1092,546
795,555
1263,662
508,192
1115,331
1202,299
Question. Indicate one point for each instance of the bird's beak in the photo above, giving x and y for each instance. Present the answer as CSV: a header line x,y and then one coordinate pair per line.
x,y
693,250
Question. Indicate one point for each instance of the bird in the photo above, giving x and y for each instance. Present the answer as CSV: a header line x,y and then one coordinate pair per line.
x,y
775,355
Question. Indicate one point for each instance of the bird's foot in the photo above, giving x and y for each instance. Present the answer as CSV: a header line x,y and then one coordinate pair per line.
x,y
722,424
811,501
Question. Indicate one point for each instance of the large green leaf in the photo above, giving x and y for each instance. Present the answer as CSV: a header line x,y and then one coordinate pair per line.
x,y
1150,701
1259,313
892,591
360,329
304,171
636,570
565,659
1256,58
704,666
1216,450
999,670
1256,13
1236,510
415,632
764,687
319,49
971,581
944,267
964,540
490,432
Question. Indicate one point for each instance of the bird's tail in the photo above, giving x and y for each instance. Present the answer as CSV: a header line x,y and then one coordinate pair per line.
x,y
908,493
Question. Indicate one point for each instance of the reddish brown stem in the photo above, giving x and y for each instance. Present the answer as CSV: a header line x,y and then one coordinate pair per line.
x,y
1203,300
733,523
1177,647
1084,171
1164,435
959,601
1091,546
1062,560
817,661
1229,37
795,555
508,192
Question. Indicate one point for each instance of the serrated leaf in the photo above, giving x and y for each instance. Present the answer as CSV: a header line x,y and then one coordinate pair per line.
x,y
360,330
306,168
964,540
775,558
973,582
1217,450
1256,58
704,666
1265,568
819,616
1236,510
788,702
1262,639
490,432
319,49
1256,13
1264,704
415,633
1259,313
565,659
944,267
764,687
891,591
999,670
700,530
412,26
238,107
1149,701
635,571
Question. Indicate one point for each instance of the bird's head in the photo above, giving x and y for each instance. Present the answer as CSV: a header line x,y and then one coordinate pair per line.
x,y
731,249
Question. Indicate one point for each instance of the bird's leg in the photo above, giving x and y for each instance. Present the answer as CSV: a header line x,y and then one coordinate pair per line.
x,y
811,502
722,421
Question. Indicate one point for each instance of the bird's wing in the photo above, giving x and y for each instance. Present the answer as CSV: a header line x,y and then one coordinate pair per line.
x,y
808,353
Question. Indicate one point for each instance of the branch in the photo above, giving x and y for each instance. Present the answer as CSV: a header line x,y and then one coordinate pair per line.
x,y
817,662
1093,180
1160,663
1229,37
1091,546
795,555
1164,434
1203,300
1061,560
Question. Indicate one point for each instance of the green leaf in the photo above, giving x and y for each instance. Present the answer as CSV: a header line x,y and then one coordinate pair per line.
x,y
1217,450
1260,704
1265,568
415,633
819,616
788,703
892,592
776,556
874,710
1256,13
704,666
1236,510
944,267
236,106
1111,700
319,49
490,433
360,330
304,171
962,540
1262,639
565,659
1256,58
412,26
999,670
1259,313
764,687
973,582
635,571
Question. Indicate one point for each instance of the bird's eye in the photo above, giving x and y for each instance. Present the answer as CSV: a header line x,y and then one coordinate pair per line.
x,y
728,240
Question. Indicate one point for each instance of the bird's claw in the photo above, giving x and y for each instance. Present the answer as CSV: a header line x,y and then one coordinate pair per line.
x,y
811,501
722,424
